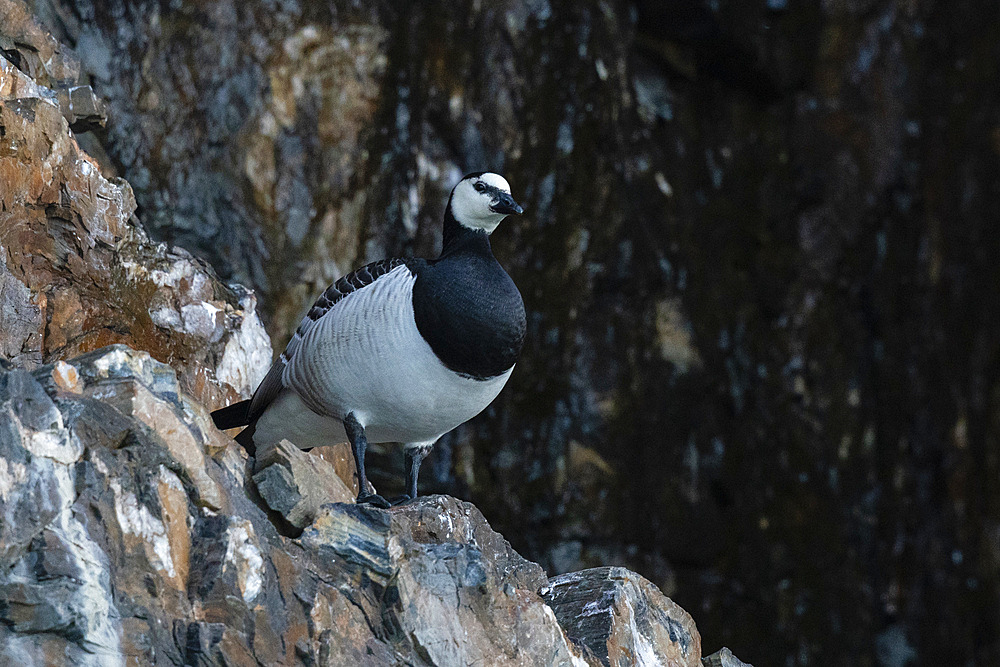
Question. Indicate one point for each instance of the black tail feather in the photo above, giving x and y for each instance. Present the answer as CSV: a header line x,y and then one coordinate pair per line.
x,y
245,438
237,414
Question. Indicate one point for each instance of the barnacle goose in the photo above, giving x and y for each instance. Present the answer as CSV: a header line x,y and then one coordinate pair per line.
x,y
401,350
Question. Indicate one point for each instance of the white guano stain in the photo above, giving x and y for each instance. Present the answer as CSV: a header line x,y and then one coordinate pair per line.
x,y
101,637
89,599
170,479
645,652
54,442
199,319
118,358
165,317
178,271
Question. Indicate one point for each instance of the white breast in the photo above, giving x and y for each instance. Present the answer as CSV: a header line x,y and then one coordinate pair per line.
x,y
366,356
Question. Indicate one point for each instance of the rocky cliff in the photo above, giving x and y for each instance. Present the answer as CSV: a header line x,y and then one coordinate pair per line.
x,y
134,532
129,535
759,254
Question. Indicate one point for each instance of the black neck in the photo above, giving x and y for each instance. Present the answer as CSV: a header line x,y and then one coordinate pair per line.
x,y
466,306
459,238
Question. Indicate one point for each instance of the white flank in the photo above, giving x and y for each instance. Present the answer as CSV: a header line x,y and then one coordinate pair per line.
x,y
366,356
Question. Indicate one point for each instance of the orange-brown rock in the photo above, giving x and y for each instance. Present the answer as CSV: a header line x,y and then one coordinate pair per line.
x,y
77,272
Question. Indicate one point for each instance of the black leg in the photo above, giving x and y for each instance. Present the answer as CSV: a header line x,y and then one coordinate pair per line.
x,y
359,443
414,457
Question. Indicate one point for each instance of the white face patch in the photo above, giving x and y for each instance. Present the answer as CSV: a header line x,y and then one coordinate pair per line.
x,y
472,198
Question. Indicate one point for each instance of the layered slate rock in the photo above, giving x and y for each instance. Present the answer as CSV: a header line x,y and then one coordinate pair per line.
x,y
758,241
453,591
127,536
111,511
623,620
295,484
134,532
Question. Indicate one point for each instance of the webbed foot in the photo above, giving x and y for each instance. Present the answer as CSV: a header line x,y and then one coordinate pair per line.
x,y
373,499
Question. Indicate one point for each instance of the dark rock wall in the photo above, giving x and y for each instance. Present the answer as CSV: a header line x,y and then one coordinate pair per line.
x,y
759,260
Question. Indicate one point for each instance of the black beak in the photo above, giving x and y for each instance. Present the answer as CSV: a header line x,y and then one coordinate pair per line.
x,y
506,204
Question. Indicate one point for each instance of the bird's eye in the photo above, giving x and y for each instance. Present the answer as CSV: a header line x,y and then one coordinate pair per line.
x,y
480,187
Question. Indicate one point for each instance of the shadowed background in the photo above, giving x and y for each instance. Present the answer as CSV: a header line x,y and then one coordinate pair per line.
x,y
759,257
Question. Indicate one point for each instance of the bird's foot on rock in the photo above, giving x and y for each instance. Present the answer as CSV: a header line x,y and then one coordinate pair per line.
x,y
400,500
373,499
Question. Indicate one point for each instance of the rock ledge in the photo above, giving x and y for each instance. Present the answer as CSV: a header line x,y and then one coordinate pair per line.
x,y
127,536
